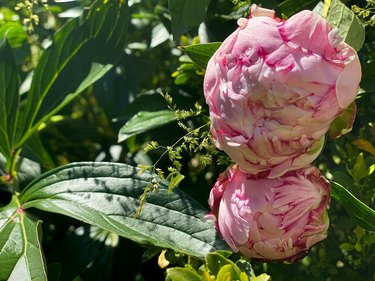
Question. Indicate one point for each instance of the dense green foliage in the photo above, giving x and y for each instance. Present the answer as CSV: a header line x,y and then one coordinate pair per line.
x,y
102,116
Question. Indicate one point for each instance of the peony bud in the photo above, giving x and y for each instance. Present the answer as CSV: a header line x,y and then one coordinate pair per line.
x,y
274,87
271,219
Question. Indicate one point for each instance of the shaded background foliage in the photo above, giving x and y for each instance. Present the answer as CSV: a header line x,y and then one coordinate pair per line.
x,y
153,63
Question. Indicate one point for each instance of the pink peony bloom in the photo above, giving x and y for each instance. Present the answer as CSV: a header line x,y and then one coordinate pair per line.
x,y
274,87
271,219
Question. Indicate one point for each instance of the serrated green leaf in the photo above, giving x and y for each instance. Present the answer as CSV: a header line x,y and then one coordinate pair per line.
x,y
82,52
182,274
362,214
107,195
144,121
9,98
200,54
21,256
350,27
186,14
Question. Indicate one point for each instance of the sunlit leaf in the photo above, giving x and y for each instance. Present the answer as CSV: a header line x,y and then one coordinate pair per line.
x,y
144,121
81,53
362,214
107,195
262,277
15,33
350,27
21,256
200,54
182,274
159,35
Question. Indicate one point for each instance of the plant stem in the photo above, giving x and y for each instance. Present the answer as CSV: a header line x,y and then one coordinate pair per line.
x,y
12,169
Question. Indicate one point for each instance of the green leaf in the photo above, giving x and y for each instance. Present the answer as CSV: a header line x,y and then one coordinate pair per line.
x,y
216,261
262,277
200,54
343,123
34,149
365,145
350,27
359,170
227,273
82,52
347,246
363,215
186,14
290,7
245,267
174,180
9,98
225,269
107,195
15,33
159,35
89,250
21,256
54,271
11,27
27,169
182,274
143,121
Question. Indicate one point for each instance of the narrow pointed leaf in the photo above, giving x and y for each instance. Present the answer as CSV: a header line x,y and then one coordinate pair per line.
x,y
82,52
21,256
362,214
106,195
200,54
9,98
143,121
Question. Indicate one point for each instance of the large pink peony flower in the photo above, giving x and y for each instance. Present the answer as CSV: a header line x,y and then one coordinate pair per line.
x,y
273,88
271,219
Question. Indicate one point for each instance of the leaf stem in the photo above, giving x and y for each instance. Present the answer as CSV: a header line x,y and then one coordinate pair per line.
x,y
12,169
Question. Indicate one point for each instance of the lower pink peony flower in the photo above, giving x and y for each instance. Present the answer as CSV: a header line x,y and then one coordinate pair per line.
x,y
271,219
274,87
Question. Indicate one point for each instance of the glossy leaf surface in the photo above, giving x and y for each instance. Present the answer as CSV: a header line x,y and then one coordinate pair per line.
x,y
106,195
